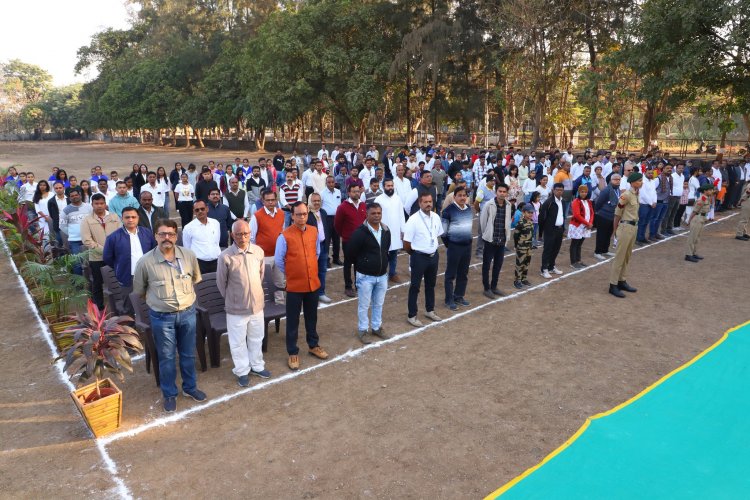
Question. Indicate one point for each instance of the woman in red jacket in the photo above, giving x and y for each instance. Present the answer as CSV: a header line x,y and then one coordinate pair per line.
x,y
581,222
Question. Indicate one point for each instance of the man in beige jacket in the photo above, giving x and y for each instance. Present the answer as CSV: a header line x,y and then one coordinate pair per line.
x,y
94,231
239,277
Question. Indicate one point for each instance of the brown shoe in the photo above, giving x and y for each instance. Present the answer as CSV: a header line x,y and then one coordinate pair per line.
x,y
395,279
350,293
293,362
318,352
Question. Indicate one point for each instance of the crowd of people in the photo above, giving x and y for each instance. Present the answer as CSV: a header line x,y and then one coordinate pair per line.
x,y
296,217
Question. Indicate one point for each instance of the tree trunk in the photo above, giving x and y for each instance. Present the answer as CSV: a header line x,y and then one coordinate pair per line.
x,y
363,130
320,124
260,138
199,137
649,126
157,137
409,133
187,136
746,119
595,97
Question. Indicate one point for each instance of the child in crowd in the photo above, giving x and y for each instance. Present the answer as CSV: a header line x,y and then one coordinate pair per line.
x,y
522,238
684,200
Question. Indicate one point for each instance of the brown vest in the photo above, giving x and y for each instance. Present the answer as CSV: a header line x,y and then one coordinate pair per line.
x,y
269,229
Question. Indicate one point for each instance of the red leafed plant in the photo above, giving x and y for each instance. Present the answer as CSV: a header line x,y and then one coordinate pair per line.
x,y
99,342
27,237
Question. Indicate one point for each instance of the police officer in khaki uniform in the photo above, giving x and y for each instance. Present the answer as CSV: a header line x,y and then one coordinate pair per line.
x,y
744,215
698,220
625,228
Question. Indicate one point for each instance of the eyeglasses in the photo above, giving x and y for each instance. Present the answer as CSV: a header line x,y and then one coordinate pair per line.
x,y
167,235
242,235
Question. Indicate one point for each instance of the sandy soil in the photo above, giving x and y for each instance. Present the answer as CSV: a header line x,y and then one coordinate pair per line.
x,y
453,411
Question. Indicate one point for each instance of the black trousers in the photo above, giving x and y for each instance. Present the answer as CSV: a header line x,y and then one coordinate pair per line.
x,y
347,268
306,303
492,255
603,234
668,222
186,211
422,266
334,237
207,266
575,250
459,257
552,243
678,215
97,283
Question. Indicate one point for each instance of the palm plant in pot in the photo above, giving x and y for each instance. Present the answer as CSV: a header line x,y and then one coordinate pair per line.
x,y
100,343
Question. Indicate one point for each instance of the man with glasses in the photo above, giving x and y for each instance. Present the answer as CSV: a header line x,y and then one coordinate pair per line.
x,y
166,277
265,227
296,256
201,236
239,277
124,247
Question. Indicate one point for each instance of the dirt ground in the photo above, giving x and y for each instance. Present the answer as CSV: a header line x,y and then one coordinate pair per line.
x,y
451,411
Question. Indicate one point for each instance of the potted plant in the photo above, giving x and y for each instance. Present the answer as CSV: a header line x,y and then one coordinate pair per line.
x,y
99,343
57,290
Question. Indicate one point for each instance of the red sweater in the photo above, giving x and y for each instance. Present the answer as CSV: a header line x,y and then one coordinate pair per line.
x,y
348,218
578,214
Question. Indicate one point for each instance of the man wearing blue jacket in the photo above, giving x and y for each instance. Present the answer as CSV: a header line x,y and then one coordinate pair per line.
x,y
124,247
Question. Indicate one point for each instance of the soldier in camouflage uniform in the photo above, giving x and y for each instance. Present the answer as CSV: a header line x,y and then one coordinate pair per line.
x,y
522,238
698,220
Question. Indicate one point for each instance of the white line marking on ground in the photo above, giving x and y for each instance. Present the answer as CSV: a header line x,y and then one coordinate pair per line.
x,y
122,490
177,416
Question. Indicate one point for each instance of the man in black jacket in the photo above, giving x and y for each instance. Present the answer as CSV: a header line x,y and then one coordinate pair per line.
x,y
368,249
53,209
551,226
148,214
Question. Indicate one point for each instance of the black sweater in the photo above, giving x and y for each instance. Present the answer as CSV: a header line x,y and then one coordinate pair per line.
x,y
369,258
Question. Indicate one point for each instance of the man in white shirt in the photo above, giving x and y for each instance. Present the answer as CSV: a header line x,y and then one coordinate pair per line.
x,y
394,218
606,167
330,201
372,153
104,190
202,236
317,179
401,184
323,151
368,172
647,201
421,233
568,156
678,178
156,190
27,190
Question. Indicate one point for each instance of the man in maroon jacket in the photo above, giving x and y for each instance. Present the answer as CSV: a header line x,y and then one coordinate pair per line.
x,y
349,216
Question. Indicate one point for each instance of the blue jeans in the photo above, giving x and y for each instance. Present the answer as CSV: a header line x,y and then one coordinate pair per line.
x,y
656,219
370,290
76,247
322,268
392,263
174,333
645,214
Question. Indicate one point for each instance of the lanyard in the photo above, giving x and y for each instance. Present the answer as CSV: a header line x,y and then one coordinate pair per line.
x,y
429,227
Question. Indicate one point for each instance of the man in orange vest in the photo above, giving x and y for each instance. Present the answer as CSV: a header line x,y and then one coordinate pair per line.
x,y
265,228
296,255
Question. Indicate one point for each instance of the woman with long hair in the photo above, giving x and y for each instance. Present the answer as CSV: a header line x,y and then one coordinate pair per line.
x,y
41,198
62,176
162,180
581,222
86,191
514,185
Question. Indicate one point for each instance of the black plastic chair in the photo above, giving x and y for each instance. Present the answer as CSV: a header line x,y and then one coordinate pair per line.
x,y
143,326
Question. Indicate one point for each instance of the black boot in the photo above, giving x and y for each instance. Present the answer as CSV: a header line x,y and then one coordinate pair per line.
x,y
690,258
614,290
623,285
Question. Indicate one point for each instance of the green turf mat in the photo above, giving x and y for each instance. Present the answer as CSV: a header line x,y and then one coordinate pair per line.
x,y
686,436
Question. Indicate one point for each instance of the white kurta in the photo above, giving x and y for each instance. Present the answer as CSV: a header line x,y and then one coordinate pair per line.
x,y
393,218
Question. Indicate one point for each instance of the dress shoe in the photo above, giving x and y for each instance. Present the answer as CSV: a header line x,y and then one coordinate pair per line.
x,y
338,262
489,294
381,333
741,238
414,321
657,237
364,337
696,256
462,301
293,362
496,291
395,279
431,315
526,282
690,258
623,285
350,293
318,352
614,290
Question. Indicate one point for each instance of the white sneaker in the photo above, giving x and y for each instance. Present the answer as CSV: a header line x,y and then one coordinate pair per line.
x,y
325,299
431,315
546,274
414,322
600,256
610,254
555,270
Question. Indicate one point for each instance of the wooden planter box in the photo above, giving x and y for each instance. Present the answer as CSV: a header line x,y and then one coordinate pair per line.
x,y
56,329
104,415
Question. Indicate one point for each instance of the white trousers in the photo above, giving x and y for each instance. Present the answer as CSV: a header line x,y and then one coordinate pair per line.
x,y
245,342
